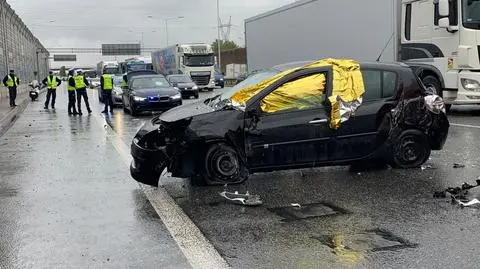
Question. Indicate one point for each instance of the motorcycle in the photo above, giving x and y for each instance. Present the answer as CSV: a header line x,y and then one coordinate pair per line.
x,y
35,90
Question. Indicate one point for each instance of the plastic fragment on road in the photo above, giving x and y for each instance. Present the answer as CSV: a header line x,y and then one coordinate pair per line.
x,y
242,199
296,205
458,165
470,203
425,167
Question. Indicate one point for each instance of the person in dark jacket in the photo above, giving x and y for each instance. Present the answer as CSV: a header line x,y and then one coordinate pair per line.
x,y
71,94
52,82
11,81
81,83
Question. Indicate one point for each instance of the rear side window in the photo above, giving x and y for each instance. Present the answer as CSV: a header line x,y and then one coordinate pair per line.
x,y
379,84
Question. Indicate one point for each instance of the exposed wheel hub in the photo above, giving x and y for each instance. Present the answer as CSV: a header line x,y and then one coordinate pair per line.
x,y
227,164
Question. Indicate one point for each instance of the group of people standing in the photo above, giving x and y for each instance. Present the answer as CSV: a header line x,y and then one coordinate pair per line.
x,y
76,87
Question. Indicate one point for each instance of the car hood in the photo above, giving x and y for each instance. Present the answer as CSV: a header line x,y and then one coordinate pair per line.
x,y
185,85
155,92
186,111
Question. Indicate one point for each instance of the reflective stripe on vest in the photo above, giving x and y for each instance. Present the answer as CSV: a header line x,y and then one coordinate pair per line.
x,y
11,82
107,82
52,82
80,83
70,88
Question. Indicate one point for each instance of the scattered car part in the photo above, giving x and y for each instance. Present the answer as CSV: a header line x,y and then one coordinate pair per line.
x,y
242,199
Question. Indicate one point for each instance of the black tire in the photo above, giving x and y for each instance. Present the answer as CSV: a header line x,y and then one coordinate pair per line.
x,y
434,84
448,107
222,166
124,106
411,150
196,96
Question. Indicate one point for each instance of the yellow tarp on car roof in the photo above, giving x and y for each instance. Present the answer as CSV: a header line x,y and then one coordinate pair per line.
x,y
347,93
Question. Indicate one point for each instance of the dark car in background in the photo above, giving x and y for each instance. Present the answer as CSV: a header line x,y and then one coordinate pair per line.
x,y
150,93
220,79
221,141
184,84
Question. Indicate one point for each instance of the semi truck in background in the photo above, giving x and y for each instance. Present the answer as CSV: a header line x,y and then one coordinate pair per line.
x,y
439,39
110,67
136,64
195,60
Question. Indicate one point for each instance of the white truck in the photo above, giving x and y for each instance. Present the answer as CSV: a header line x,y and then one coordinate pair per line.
x,y
111,67
439,39
195,60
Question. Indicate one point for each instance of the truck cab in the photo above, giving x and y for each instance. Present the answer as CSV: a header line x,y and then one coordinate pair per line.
x,y
440,39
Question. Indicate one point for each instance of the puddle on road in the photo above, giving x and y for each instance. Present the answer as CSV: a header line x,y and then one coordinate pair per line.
x,y
352,247
317,210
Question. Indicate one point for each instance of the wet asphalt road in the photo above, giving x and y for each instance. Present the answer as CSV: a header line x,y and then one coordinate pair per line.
x,y
390,216
81,214
67,201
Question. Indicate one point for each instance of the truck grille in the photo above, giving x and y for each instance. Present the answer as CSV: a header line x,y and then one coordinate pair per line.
x,y
201,80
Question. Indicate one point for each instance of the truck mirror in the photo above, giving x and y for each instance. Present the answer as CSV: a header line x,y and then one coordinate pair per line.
x,y
443,8
444,23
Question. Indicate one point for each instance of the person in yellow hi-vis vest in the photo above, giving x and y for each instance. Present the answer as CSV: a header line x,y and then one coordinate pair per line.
x,y
106,84
11,81
80,83
52,82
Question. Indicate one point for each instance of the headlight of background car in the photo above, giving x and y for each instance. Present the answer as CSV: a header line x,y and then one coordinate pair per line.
x,y
117,91
195,87
177,96
470,84
139,99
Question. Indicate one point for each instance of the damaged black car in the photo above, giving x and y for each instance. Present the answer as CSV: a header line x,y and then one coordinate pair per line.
x,y
298,115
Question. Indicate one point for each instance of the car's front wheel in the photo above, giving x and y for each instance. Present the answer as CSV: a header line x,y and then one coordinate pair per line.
x,y
222,166
411,149
133,111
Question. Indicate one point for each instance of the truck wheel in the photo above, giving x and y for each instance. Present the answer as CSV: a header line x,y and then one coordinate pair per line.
x,y
411,149
433,84
222,166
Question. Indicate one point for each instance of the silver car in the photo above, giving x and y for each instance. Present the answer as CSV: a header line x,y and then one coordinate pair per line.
x,y
117,91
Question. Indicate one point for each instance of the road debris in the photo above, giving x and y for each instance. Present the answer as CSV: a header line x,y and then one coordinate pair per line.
x,y
458,165
296,205
246,199
425,167
458,195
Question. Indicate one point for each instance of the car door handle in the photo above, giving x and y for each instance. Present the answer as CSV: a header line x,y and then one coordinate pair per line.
x,y
317,121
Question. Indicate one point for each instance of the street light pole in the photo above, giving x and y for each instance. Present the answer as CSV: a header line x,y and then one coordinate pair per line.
x,y
219,57
166,29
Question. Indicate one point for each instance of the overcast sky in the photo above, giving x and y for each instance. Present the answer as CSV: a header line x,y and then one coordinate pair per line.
x,y
89,23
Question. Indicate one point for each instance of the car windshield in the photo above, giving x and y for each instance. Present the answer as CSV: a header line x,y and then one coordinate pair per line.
x,y
149,83
221,100
111,70
180,79
199,60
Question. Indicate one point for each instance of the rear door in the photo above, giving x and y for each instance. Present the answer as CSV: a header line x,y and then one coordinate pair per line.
x,y
291,126
359,136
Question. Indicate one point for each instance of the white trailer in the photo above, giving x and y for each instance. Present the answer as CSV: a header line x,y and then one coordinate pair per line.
x,y
195,60
439,38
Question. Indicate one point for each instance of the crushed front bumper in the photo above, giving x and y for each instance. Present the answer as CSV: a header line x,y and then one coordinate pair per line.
x,y
148,162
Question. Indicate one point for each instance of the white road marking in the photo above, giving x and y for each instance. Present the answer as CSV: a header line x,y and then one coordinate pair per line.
x,y
199,252
465,125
